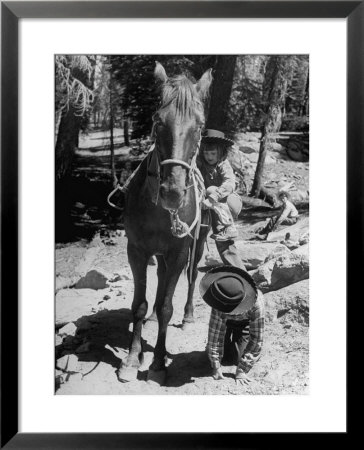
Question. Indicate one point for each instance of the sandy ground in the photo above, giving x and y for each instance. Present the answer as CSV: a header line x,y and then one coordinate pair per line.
x,y
98,323
103,330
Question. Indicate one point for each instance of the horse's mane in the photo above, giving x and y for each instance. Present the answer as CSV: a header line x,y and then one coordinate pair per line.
x,y
181,92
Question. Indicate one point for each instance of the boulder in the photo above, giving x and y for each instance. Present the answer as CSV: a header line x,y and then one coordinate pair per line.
x,y
68,363
291,301
63,282
87,261
94,279
278,250
282,271
304,238
296,230
290,244
289,269
263,274
68,330
302,250
253,254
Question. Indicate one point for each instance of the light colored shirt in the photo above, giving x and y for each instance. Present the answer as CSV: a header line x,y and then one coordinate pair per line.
x,y
217,330
220,175
288,211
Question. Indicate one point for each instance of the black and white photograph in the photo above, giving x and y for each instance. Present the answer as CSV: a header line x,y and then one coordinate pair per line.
x,y
182,224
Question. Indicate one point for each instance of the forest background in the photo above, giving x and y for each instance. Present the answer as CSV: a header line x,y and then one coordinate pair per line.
x,y
266,94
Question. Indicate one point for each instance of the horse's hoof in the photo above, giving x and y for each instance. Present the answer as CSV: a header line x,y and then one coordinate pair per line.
x,y
157,377
186,326
126,374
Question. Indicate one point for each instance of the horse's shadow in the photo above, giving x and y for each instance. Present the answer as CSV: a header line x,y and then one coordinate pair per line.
x,y
186,366
98,332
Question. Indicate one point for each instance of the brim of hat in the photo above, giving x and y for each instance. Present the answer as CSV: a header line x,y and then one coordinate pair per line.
x,y
249,286
226,141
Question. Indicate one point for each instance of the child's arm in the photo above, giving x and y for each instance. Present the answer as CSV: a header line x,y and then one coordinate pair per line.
x,y
256,329
215,342
228,182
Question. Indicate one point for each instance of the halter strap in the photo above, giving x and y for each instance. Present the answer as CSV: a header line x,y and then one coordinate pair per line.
x,y
175,161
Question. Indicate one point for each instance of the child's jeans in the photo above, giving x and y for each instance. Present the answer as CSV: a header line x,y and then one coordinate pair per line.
x,y
232,206
226,210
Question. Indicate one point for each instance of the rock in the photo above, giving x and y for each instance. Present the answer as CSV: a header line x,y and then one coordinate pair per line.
x,y
291,245
304,238
72,304
115,278
282,271
289,269
87,261
262,276
278,250
295,231
62,362
292,300
106,297
67,363
59,340
65,282
253,254
303,250
72,363
94,279
69,329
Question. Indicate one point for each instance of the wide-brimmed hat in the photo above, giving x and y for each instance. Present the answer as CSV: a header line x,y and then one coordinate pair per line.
x,y
228,289
216,136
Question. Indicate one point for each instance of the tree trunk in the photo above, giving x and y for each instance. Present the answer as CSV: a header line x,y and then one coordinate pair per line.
x,y
67,139
277,74
112,153
220,92
126,132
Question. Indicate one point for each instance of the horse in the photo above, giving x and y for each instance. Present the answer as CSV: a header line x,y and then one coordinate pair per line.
x,y
162,209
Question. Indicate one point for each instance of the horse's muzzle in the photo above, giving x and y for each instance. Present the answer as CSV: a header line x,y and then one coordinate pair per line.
x,y
171,196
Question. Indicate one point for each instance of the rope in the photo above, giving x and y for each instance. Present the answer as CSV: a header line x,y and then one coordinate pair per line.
x,y
118,188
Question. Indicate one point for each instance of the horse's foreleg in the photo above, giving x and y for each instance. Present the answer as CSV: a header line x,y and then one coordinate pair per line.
x,y
138,262
161,271
164,308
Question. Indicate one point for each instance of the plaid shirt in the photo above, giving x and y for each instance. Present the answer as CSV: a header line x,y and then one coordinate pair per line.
x,y
217,330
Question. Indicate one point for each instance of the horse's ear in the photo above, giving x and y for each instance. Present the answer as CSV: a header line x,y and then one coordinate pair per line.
x,y
204,83
159,73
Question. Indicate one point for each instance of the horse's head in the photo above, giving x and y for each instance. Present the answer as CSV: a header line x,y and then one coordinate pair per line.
x,y
177,130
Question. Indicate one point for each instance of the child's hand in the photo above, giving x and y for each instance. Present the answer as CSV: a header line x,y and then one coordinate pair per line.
x,y
242,378
217,374
213,197
207,204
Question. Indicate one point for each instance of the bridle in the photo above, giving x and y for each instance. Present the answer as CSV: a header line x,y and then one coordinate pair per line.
x,y
181,229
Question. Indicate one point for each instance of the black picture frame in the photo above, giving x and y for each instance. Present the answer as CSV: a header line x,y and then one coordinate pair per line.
x,y
11,12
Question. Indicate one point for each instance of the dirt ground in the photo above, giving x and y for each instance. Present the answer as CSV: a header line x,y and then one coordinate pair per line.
x,y
91,350
104,329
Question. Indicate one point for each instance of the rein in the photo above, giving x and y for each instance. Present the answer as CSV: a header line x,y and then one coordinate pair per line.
x,y
181,229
